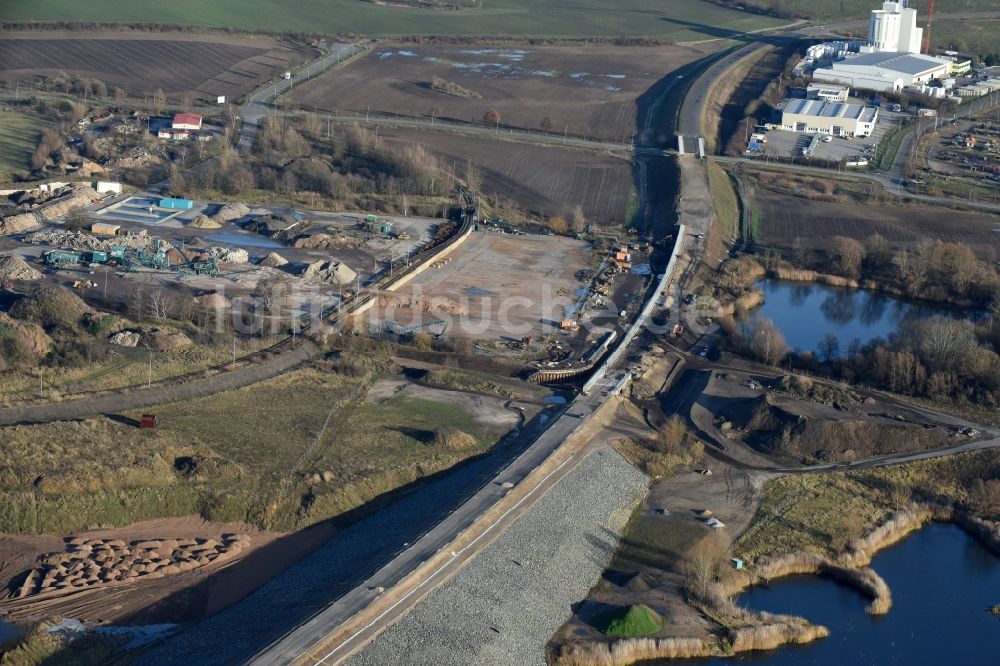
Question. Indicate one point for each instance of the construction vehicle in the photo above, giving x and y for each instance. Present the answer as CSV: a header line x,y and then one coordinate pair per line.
x,y
84,284
569,325
403,236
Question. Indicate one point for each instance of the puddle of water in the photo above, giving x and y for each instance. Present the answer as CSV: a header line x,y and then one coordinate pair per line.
x,y
229,238
476,291
611,88
554,400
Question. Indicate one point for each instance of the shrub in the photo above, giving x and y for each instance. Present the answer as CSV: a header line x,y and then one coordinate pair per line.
x,y
637,620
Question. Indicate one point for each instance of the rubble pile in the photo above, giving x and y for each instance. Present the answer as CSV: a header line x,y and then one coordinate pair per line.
x,y
228,255
81,241
203,222
78,197
125,338
89,563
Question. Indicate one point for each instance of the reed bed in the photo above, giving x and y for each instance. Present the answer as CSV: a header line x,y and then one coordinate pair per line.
x,y
631,650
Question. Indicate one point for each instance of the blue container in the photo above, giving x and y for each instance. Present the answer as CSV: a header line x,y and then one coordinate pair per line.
x,y
177,204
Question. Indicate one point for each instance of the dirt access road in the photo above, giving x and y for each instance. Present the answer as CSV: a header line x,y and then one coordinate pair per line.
x,y
117,402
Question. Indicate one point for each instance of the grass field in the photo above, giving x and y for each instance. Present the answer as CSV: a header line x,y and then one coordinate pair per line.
x,y
979,36
681,20
583,91
281,454
845,9
19,134
724,197
811,512
141,63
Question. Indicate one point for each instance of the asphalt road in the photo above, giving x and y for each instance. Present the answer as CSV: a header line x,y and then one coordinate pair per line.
x,y
299,641
256,107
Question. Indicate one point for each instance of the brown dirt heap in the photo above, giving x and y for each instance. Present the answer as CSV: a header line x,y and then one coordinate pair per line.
x,y
16,268
330,272
327,242
30,336
159,339
89,563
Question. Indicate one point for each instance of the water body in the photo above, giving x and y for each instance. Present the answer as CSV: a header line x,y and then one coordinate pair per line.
x,y
942,582
806,312
8,632
229,238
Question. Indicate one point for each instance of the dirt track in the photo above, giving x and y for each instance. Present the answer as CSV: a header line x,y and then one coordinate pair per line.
x,y
114,403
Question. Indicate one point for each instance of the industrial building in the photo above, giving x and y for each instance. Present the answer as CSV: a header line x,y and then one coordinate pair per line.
x,y
835,118
186,121
885,72
893,29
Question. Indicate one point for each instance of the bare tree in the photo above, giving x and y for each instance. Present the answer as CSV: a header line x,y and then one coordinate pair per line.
x,y
994,307
848,254
159,305
547,123
767,343
828,348
137,302
186,102
159,101
704,563
120,96
577,221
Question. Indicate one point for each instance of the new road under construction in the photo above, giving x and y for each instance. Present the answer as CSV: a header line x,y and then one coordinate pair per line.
x,y
346,625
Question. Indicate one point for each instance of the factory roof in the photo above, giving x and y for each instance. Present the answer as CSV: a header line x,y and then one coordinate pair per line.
x,y
819,108
907,63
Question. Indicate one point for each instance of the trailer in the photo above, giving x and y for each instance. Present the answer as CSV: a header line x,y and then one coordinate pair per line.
x,y
62,257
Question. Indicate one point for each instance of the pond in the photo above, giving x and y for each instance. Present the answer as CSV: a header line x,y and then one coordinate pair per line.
x,y
805,312
942,582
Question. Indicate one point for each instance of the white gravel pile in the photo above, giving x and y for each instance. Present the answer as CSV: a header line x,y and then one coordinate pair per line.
x,y
504,605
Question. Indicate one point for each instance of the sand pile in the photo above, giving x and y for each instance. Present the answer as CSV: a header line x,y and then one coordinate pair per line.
x,y
204,222
89,563
327,242
274,260
230,212
330,272
18,224
16,268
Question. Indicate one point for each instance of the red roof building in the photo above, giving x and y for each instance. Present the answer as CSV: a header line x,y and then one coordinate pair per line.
x,y
186,121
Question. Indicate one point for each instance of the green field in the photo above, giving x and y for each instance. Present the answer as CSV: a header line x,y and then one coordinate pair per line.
x,y
838,10
978,36
680,20
18,138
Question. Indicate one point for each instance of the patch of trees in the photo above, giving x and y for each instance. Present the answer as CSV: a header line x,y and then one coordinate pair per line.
x,y
934,270
288,159
453,89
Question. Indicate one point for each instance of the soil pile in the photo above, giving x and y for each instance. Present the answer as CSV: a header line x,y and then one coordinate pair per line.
x,y
51,307
26,335
18,224
159,339
230,212
327,242
452,439
213,301
204,222
274,260
16,268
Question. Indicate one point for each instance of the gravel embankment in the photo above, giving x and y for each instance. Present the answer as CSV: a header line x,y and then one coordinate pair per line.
x,y
237,632
506,603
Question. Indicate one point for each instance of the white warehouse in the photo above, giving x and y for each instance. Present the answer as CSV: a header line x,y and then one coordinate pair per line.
x,y
819,117
884,72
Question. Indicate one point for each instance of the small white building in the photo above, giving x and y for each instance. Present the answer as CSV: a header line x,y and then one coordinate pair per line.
x,y
835,118
884,72
828,92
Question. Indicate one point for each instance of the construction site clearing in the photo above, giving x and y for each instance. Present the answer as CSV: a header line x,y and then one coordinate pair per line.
x,y
551,300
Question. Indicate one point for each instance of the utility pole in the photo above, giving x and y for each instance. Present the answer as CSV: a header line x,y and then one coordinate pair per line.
x,y
234,349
